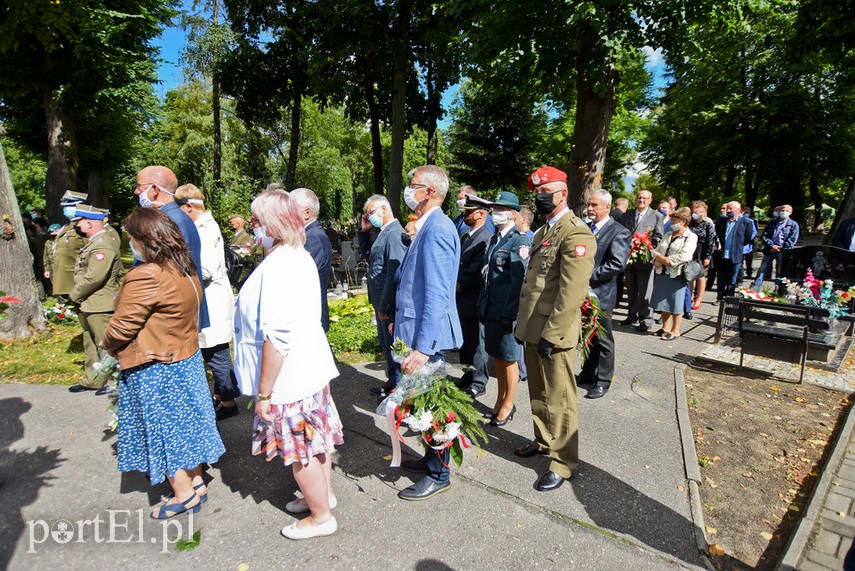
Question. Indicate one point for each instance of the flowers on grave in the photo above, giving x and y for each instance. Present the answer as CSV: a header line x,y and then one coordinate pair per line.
x,y
813,292
60,313
5,301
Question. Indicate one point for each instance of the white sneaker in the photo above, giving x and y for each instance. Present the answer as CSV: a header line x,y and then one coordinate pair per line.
x,y
298,507
329,527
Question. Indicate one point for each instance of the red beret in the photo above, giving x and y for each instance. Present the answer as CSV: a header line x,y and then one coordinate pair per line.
x,y
544,175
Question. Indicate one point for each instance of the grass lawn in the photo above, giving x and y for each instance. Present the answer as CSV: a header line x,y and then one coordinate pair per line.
x,y
53,358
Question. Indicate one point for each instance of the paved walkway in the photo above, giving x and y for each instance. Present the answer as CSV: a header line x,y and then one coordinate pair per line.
x,y
827,530
627,506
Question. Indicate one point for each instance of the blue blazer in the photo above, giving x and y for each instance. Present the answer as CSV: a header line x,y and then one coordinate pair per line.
x,y
743,233
319,247
387,252
425,309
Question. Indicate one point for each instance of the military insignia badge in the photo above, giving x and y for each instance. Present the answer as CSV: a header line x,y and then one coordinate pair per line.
x,y
100,256
581,250
523,252
535,179
543,265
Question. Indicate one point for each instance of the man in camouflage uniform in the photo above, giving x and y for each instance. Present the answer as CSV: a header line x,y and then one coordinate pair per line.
x,y
66,247
96,282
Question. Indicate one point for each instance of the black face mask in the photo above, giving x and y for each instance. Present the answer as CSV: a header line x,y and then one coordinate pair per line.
x,y
79,232
405,238
544,204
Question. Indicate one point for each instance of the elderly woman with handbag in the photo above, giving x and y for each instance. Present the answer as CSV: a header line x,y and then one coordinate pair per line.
x,y
166,418
670,257
283,358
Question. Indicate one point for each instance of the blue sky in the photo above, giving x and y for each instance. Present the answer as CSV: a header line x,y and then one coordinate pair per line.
x,y
170,75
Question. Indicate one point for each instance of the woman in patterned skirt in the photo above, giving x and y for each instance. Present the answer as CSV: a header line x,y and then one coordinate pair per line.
x,y
166,418
282,356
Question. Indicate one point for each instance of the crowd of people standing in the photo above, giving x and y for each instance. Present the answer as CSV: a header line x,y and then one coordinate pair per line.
x,y
485,284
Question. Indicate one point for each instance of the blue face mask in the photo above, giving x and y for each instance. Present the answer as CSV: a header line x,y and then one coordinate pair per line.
x,y
663,212
138,259
69,211
784,214
776,214
731,214
375,220
696,216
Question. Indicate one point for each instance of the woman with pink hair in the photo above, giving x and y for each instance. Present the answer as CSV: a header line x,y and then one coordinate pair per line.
x,y
283,358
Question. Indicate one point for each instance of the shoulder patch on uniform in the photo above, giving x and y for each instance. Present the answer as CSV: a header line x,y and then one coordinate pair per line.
x,y
581,250
100,256
523,251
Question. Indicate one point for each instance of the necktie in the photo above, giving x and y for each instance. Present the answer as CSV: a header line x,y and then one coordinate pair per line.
x,y
593,228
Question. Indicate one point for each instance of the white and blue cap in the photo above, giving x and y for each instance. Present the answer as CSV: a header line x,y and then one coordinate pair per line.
x,y
71,198
86,212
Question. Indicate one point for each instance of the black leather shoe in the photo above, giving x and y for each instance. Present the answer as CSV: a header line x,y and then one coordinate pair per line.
x,y
417,466
473,392
106,390
423,489
496,422
597,392
627,321
642,328
80,389
688,316
225,412
549,481
382,391
528,451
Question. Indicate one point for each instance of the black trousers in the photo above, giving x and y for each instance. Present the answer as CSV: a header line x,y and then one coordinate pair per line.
x,y
472,352
599,367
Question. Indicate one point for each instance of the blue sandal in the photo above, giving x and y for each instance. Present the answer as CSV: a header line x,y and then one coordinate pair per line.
x,y
202,499
171,510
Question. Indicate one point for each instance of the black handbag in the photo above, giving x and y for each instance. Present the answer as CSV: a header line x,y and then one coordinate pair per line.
x,y
692,270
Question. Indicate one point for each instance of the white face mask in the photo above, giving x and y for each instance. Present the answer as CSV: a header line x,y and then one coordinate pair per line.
x,y
500,218
262,238
410,198
145,202
676,227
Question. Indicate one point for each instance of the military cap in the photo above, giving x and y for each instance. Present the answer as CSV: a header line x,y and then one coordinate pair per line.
x,y
70,198
545,175
86,212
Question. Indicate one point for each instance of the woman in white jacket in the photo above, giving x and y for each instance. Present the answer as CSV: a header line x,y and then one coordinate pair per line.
x,y
214,340
676,248
282,356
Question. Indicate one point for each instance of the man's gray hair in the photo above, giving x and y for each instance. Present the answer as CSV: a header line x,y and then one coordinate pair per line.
x,y
526,213
274,186
306,198
433,176
603,195
379,200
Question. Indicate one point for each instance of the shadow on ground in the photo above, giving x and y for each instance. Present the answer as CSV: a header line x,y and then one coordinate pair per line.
x,y
22,475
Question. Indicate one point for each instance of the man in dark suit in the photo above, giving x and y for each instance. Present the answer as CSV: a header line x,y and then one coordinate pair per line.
x,y
384,259
317,244
612,252
470,282
734,232
845,235
639,277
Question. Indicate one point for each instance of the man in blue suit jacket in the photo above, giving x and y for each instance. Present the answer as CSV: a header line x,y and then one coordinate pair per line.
x,y
317,244
734,232
612,253
156,188
384,259
425,310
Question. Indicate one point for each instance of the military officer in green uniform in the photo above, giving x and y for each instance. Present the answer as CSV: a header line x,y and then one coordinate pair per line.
x,y
96,282
66,247
504,262
549,324
241,238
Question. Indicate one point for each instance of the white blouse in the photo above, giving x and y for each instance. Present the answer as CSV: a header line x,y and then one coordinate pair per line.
x,y
281,302
682,249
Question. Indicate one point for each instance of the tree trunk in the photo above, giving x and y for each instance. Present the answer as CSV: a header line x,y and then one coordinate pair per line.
x,y
95,188
395,180
213,194
590,135
294,147
845,211
816,198
376,143
434,109
25,318
62,156
729,179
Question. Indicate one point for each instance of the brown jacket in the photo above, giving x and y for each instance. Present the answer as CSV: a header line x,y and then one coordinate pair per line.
x,y
156,318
